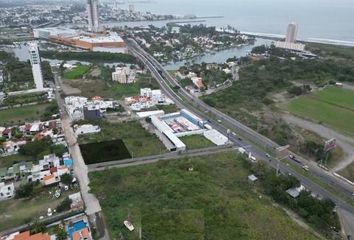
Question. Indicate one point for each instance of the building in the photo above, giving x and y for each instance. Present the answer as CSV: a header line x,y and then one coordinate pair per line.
x,y
6,191
93,16
79,108
111,42
36,65
87,129
120,75
27,236
291,34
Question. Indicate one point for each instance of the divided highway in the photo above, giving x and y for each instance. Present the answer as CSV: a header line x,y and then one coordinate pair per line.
x,y
253,142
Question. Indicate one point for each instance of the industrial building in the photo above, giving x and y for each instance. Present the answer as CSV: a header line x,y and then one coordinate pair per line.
x,y
170,127
96,42
36,65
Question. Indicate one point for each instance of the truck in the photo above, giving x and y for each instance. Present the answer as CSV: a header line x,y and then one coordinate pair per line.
x,y
241,150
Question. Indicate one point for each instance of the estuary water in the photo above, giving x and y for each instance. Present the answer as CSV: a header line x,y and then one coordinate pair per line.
x,y
317,19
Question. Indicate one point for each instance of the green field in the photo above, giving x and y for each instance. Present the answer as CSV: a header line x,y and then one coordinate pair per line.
x,y
76,72
214,201
8,161
22,114
196,142
348,172
332,106
16,212
137,140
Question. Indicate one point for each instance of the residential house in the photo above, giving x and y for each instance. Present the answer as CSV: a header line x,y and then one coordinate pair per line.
x,y
7,191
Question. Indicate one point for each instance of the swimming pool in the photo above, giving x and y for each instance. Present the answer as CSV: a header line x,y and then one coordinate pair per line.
x,y
77,226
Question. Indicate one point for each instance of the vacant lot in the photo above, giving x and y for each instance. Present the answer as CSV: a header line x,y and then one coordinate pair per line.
x,y
333,107
8,161
196,142
138,141
22,114
104,151
16,212
167,201
76,72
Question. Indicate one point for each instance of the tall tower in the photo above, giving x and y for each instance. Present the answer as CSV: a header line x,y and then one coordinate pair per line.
x,y
291,34
93,16
36,65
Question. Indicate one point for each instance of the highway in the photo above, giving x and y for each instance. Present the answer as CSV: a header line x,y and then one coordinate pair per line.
x,y
253,141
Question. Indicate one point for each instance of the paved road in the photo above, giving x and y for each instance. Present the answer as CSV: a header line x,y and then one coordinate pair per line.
x,y
93,207
346,142
258,142
153,159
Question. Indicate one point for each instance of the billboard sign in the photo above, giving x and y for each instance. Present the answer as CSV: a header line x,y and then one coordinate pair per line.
x,y
330,145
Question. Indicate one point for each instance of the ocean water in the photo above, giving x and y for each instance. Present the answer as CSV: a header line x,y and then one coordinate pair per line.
x,y
324,19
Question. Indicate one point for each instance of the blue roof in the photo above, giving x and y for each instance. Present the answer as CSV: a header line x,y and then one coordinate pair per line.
x,y
77,226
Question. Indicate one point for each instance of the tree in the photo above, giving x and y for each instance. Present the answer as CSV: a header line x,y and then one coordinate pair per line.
x,y
38,227
24,190
60,233
67,179
65,205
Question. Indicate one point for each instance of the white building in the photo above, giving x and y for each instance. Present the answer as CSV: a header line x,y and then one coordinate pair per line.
x,y
124,75
6,191
36,65
291,34
93,16
76,106
87,129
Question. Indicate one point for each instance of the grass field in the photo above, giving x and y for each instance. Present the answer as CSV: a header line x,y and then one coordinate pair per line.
x,y
16,115
214,201
332,106
348,172
16,212
196,142
8,161
137,140
76,72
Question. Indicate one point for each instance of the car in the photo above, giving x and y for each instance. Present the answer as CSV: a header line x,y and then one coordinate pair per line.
x,y
292,157
305,167
267,155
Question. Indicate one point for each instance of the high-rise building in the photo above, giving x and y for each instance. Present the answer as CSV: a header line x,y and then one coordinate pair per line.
x,y
291,34
36,65
93,16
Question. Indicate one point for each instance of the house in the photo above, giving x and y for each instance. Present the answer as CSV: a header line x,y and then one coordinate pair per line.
x,y
198,82
6,191
27,236
252,178
79,230
295,192
7,133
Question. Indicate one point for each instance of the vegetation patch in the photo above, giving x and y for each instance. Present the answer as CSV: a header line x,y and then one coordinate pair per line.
x,y
90,56
138,141
196,142
332,106
104,151
22,114
168,201
76,72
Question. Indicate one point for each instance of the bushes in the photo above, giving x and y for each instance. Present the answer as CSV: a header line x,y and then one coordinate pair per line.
x,y
24,190
90,56
64,205
319,213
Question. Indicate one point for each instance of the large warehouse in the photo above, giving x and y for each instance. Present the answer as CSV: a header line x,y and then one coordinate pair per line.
x,y
96,42
171,127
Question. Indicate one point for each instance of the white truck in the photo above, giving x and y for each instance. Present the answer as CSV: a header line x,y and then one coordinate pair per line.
x,y
241,150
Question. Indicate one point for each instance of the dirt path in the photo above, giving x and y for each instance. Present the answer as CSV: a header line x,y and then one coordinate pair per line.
x,y
346,143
